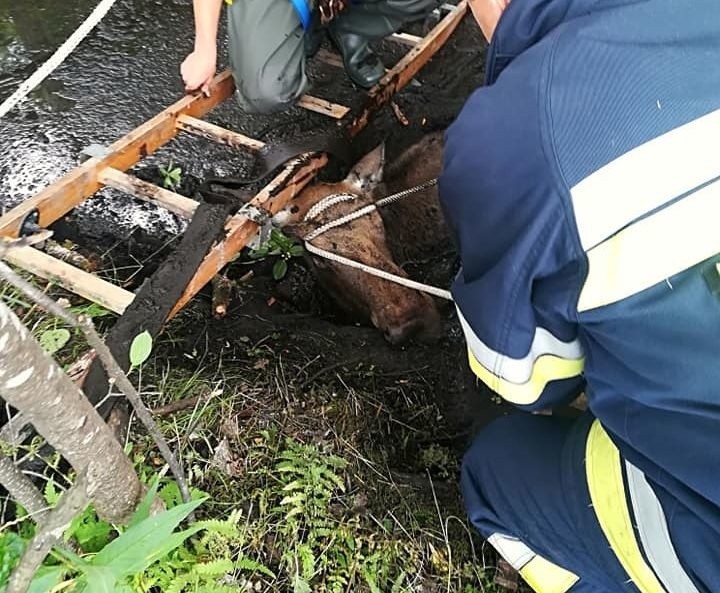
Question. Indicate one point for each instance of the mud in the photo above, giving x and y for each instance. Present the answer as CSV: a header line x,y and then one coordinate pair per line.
x,y
127,71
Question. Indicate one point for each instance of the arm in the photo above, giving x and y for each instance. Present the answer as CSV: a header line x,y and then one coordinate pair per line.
x,y
516,291
199,67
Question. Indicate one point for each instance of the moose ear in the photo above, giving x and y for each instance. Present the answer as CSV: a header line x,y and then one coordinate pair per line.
x,y
368,171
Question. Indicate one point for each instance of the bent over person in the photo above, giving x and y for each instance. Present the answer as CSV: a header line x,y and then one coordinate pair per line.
x,y
269,41
582,184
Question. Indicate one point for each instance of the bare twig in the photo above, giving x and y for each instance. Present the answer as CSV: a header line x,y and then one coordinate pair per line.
x,y
177,406
72,502
115,373
22,489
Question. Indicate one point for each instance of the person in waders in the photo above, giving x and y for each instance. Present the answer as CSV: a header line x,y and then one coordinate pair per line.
x,y
269,41
582,185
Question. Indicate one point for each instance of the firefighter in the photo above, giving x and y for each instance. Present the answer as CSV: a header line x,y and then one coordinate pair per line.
x,y
582,185
269,41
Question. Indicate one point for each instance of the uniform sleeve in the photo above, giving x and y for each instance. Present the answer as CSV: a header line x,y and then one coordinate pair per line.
x,y
521,270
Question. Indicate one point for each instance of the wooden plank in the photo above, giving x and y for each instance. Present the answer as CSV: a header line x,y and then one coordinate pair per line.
x,y
80,183
322,106
240,230
404,71
75,280
219,134
406,39
148,192
329,57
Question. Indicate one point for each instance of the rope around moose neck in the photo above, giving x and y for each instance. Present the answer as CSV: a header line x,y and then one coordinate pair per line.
x,y
339,198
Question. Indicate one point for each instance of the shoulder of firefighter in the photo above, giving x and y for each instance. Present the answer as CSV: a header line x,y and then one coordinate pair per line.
x,y
582,185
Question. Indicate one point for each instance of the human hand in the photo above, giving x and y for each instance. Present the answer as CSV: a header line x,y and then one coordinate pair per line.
x,y
487,13
198,70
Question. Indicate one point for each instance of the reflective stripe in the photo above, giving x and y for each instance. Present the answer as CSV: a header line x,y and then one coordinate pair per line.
x,y
607,492
515,552
542,575
522,380
519,370
645,178
654,533
645,253
545,577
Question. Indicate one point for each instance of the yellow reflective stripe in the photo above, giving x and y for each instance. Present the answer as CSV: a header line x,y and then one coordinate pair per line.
x,y
607,492
545,369
645,253
646,177
545,577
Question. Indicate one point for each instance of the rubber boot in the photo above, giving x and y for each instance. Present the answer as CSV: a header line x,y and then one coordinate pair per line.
x,y
361,63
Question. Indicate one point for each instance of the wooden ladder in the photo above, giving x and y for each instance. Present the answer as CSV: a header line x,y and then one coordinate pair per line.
x,y
108,170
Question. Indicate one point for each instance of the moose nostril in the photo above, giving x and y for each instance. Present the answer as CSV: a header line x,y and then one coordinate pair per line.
x,y
402,333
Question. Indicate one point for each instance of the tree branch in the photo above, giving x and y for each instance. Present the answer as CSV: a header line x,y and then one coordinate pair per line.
x,y
72,502
115,373
22,489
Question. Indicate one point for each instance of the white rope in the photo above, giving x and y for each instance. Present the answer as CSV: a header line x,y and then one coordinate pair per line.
x,y
58,57
434,290
373,271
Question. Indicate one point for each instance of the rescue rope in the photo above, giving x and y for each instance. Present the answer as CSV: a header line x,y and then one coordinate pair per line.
x,y
60,55
373,271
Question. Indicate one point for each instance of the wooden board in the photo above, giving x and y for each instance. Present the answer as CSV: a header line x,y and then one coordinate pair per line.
x,y
80,183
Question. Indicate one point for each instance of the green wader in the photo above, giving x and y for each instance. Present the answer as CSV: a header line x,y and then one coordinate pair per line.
x,y
267,44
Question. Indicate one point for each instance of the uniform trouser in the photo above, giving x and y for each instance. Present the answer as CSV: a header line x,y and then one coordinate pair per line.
x,y
267,45
525,485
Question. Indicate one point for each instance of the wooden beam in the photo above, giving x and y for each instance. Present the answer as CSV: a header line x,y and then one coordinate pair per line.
x,y
404,71
240,230
406,39
322,106
75,280
80,183
219,134
148,192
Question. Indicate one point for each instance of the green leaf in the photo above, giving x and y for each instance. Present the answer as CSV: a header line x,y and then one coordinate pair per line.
x,y
53,339
144,543
51,493
12,547
247,564
142,511
46,578
280,269
297,250
97,579
300,585
140,348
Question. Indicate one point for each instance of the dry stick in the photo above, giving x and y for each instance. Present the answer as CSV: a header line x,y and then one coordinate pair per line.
x,y
72,502
115,373
22,489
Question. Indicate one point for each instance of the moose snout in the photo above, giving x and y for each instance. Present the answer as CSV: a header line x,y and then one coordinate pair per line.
x,y
423,325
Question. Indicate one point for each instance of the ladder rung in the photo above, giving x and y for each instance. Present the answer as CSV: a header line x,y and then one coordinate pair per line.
x,y
322,106
406,39
148,192
75,280
219,134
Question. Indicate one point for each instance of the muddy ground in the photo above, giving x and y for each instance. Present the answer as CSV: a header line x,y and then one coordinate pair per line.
x,y
303,365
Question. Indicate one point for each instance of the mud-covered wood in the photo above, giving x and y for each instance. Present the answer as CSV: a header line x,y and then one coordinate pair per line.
x,y
80,183
148,192
404,71
240,229
219,134
323,107
75,280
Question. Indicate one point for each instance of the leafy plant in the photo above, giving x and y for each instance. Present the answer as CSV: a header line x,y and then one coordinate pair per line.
x,y
171,175
140,349
53,340
281,246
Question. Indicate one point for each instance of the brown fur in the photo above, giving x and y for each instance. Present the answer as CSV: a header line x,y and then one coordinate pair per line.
x,y
406,230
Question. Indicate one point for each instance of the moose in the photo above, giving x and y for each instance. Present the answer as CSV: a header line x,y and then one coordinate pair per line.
x,y
399,232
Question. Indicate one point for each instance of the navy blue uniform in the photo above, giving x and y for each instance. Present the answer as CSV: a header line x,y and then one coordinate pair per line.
x,y
582,184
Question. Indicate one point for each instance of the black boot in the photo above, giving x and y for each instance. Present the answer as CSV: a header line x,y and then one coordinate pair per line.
x,y
362,64
313,39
